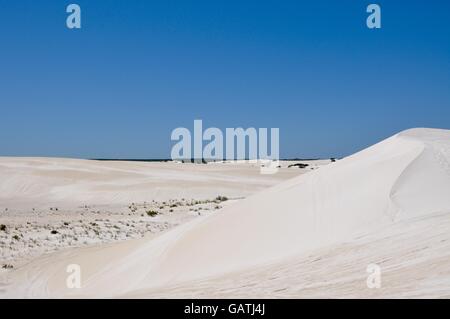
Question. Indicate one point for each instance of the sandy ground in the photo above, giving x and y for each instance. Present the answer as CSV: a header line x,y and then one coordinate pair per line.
x,y
312,235
50,204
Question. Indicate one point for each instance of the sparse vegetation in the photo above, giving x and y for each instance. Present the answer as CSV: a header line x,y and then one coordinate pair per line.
x,y
37,237
133,208
299,165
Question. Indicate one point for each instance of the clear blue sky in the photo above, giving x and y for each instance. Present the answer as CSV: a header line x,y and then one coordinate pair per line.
x,y
138,69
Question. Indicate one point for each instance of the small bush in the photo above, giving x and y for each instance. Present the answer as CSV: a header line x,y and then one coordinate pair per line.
x,y
299,165
2,227
54,232
152,213
16,237
221,198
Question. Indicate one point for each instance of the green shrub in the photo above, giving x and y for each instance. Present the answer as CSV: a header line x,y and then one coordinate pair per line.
x,y
152,213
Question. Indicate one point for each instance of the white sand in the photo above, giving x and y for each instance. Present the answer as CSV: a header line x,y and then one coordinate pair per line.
x,y
55,182
313,235
52,204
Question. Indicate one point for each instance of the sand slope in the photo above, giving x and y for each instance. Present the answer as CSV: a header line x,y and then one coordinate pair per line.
x,y
402,178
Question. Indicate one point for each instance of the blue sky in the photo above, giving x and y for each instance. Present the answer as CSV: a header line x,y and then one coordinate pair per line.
x,y
138,69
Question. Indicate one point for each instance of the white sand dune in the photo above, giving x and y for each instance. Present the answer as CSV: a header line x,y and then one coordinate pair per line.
x,y
49,204
380,190
35,182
